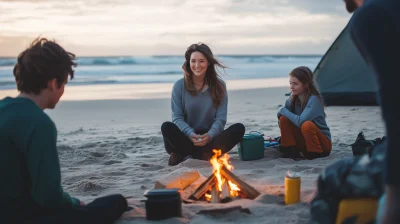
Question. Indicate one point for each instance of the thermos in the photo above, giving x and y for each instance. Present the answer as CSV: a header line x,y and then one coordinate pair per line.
x,y
292,188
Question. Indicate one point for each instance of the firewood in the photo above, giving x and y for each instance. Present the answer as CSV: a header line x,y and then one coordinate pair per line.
x,y
225,190
246,189
177,179
204,187
224,210
215,194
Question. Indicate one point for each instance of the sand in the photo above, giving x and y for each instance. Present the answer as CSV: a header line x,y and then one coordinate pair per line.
x,y
114,145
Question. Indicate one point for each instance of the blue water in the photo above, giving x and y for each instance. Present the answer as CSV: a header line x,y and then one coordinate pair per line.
x,y
164,69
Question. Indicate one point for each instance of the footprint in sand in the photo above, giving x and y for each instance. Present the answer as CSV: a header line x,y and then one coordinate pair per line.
x,y
300,168
115,173
257,172
150,167
97,154
88,145
315,170
111,162
122,156
269,199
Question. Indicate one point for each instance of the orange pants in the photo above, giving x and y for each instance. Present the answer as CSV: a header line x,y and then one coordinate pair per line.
x,y
307,138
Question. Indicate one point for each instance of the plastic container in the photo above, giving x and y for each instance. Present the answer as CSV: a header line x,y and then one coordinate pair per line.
x,y
251,147
163,204
364,209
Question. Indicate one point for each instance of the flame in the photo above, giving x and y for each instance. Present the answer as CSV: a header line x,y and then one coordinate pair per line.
x,y
217,162
208,196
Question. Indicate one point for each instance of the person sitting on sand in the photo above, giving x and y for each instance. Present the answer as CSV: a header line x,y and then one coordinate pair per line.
x,y
30,189
302,120
199,110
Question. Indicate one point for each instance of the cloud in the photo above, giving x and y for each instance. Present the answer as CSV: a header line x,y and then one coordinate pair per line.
x,y
114,26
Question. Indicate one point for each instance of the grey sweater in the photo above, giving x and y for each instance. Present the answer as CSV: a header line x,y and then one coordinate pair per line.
x,y
197,114
313,111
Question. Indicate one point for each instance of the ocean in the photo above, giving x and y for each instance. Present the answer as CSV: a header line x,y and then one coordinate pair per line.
x,y
167,69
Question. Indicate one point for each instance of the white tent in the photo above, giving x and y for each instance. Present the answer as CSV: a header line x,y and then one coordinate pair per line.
x,y
342,75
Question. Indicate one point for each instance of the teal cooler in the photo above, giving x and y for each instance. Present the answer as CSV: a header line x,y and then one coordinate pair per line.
x,y
251,147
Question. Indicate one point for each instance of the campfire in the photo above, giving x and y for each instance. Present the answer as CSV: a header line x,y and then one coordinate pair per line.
x,y
223,186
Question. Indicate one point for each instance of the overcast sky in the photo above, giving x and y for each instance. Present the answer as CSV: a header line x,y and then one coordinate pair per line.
x,y
168,27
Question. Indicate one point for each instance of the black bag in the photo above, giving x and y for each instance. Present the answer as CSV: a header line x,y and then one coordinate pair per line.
x,y
363,146
355,177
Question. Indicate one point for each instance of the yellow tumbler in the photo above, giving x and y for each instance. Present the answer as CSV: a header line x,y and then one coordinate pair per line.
x,y
292,188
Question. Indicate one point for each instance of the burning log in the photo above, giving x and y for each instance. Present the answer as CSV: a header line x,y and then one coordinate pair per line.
x,y
224,185
246,189
219,211
204,187
215,195
225,191
225,194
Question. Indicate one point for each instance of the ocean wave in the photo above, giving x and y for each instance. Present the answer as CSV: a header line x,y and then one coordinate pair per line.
x,y
7,62
178,60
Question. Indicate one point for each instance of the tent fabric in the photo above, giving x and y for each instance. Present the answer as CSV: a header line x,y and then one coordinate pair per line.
x,y
343,77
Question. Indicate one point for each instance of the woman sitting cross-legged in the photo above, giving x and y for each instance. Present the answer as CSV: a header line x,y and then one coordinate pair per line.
x,y
302,120
199,110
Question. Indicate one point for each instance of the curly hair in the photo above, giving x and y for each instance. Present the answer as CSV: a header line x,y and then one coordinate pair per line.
x,y
42,61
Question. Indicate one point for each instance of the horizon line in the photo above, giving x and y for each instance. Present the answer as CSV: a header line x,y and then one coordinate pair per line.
x,y
176,55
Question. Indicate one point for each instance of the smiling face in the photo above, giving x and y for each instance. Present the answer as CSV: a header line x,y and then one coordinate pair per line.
x,y
296,86
198,64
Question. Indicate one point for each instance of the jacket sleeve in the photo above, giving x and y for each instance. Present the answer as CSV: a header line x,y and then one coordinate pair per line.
x,y
313,109
177,106
44,168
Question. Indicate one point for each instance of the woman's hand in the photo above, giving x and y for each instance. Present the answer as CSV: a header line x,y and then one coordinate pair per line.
x,y
200,140
203,140
194,138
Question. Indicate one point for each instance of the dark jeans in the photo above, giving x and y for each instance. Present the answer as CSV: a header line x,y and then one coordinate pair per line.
x,y
176,141
103,210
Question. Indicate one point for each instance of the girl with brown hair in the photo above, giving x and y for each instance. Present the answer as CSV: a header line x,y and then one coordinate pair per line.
x,y
302,120
199,109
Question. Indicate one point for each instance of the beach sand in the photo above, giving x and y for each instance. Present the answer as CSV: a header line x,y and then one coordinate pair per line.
x,y
114,145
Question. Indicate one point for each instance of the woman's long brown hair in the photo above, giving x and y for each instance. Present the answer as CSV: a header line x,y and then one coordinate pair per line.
x,y
211,77
306,77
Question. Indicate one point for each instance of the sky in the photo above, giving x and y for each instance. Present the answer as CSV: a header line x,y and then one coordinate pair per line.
x,y
168,27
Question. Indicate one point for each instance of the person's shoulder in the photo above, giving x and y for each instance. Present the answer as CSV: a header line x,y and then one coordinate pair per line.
x,y
179,83
25,111
371,9
314,99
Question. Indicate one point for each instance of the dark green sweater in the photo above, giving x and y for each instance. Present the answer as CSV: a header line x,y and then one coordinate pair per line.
x,y
29,165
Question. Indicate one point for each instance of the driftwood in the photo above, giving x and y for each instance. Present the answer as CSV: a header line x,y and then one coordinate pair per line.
x,y
224,210
177,179
245,189
204,187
